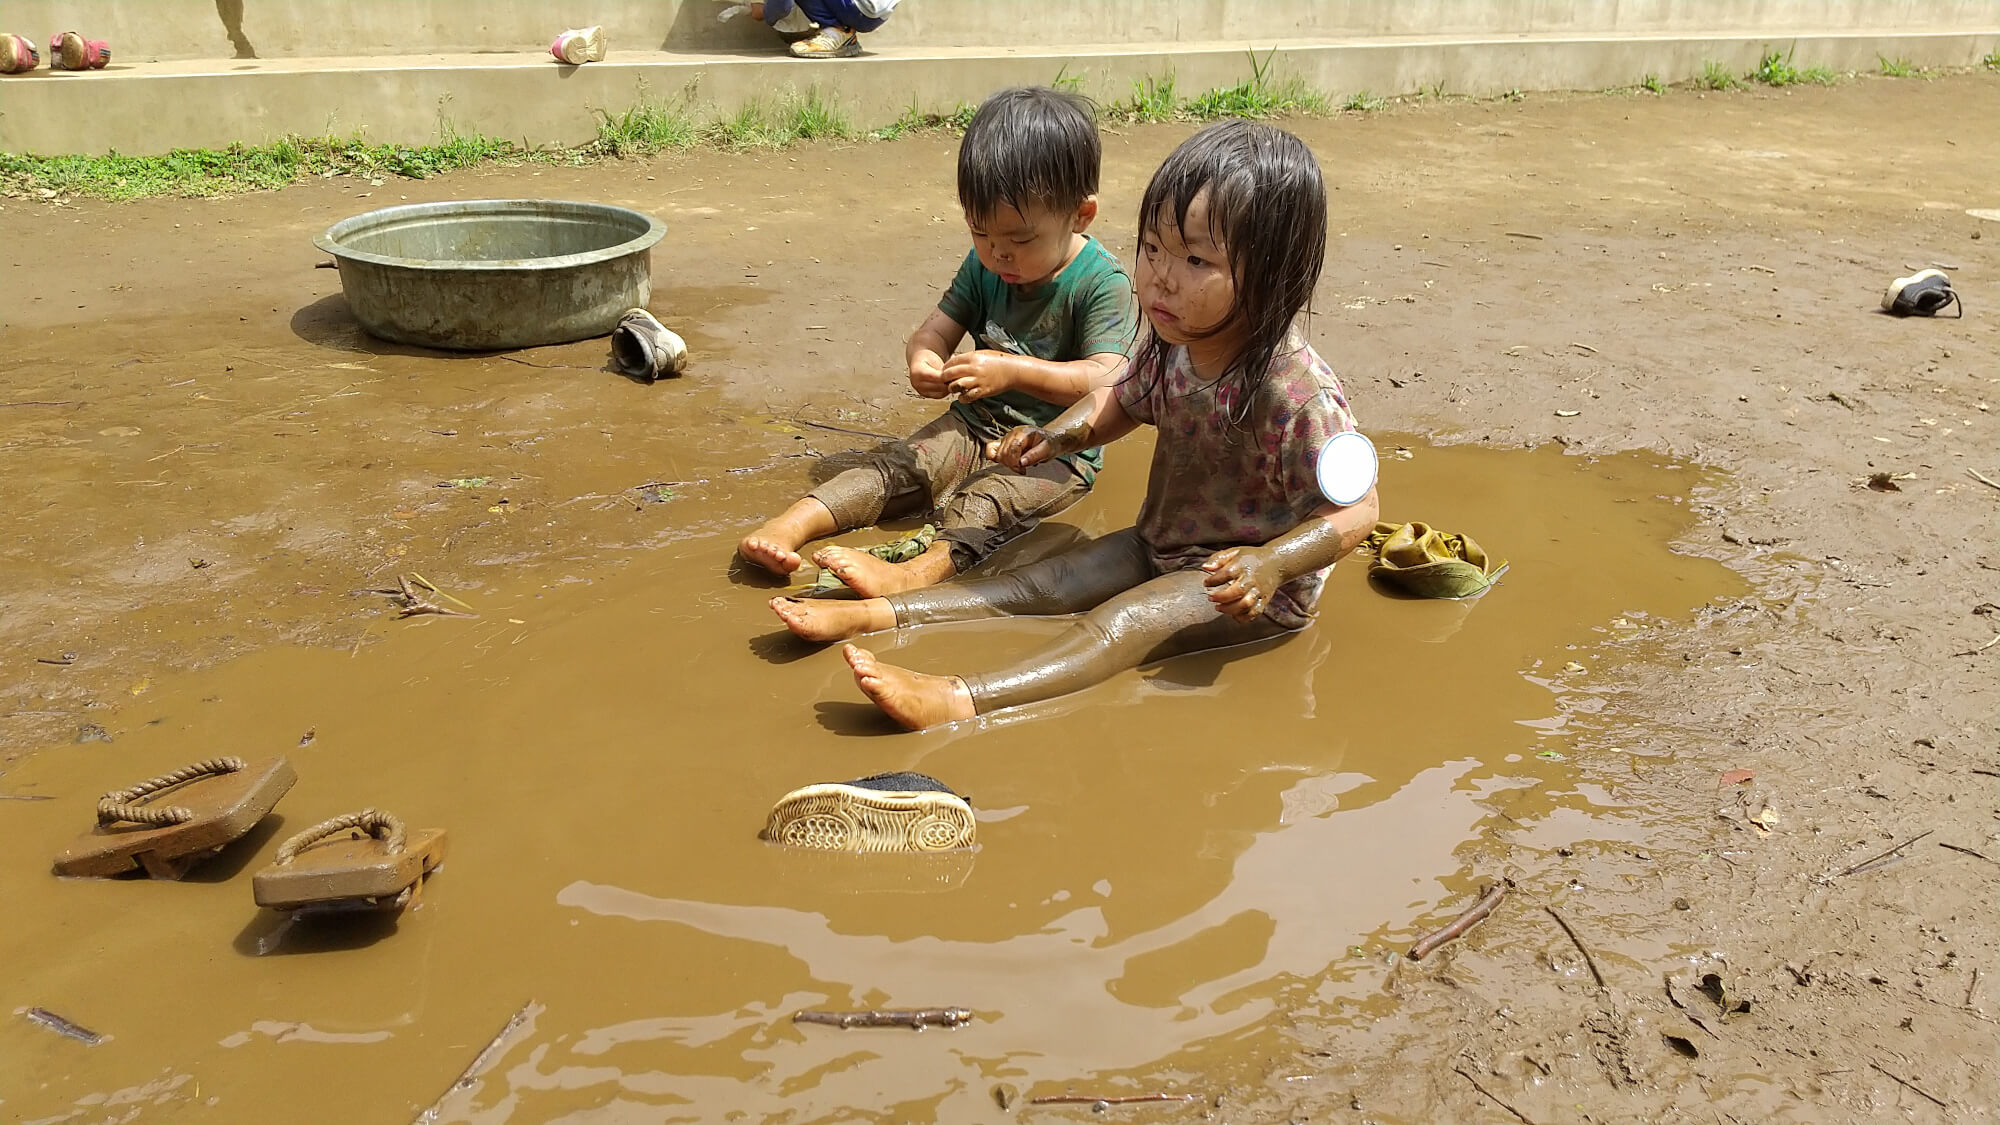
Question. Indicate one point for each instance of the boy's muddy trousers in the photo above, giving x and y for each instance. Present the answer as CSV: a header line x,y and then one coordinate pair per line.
x,y
1135,616
986,504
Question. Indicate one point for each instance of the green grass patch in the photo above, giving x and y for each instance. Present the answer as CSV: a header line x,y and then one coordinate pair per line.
x,y
1898,68
1257,96
1361,101
1152,100
1777,70
1715,76
1652,84
916,120
1991,61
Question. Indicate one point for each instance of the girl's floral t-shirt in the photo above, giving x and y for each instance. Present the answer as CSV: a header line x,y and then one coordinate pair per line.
x,y
1230,474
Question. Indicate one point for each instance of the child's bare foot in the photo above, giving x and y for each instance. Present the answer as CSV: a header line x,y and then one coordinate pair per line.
x,y
874,578
825,621
775,546
911,698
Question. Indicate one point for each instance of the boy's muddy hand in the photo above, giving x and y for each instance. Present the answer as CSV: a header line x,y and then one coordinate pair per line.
x,y
975,375
927,377
1022,448
1241,581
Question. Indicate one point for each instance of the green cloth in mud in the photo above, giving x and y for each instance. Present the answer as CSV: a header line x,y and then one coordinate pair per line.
x,y
1419,559
895,551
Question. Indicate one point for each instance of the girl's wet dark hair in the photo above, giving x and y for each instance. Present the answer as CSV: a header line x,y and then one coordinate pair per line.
x,y
1029,147
1267,207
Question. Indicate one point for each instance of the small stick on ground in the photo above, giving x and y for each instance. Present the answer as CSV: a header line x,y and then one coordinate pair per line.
x,y
1885,855
1911,1086
471,1073
1472,917
1971,986
72,402
24,797
1982,478
1980,649
1093,1099
1493,1097
433,588
840,429
1585,347
1588,961
414,603
916,1019
1968,851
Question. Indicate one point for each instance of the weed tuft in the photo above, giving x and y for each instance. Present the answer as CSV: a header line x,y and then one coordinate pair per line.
x,y
1715,76
1361,101
1777,70
1898,68
1652,84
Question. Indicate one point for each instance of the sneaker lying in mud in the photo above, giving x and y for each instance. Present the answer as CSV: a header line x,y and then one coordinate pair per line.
x,y
889,812
579,45
1923,293
70,51
644,347
828,43
18,54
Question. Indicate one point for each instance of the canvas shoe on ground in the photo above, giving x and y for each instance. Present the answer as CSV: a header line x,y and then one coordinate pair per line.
x,y
1923,293
828,43
889,812
579,45
18,54
643,347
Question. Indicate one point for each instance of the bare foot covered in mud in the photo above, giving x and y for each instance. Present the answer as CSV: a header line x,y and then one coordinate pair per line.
x,y
874,578
913,699
770,551
824,621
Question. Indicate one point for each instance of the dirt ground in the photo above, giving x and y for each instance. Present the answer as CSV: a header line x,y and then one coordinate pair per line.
x,y
1603,326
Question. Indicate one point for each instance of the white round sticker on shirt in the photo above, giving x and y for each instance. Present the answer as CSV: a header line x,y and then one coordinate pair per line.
x,y
1347,466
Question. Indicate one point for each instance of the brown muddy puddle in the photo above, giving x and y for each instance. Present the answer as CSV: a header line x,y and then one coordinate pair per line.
x,y
1170,864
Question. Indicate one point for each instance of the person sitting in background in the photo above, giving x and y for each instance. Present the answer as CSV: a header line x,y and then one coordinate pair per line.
x,y
828,29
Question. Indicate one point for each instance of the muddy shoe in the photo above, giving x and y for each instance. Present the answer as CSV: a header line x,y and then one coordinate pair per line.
x,y
828,43
18,54
70,51
889,812
644,347
1923,293
579,45
328,868
212,803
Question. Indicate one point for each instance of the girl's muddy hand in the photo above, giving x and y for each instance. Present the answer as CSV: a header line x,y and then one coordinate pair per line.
x,y
1022,448
1235,583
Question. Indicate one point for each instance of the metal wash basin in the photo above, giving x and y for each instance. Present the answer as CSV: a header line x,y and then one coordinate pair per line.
x,y
487,274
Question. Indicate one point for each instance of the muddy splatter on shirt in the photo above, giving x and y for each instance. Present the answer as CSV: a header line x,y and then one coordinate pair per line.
x,y
1218,484
1086,309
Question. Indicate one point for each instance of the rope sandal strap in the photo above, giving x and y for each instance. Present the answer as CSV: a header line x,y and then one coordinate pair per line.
x,y
118,805
375,822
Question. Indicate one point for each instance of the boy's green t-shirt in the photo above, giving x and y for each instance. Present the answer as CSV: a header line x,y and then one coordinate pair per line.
x,y
1084,310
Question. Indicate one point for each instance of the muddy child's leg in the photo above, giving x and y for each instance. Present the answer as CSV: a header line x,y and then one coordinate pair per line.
x,y
1168,616
941,455
1067,583
893,476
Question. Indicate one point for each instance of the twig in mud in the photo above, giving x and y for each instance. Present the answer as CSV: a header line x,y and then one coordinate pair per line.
x,y
1885,855
1981,648
840,429
414,603
1523,234
1472,917
64,1027
916,1019
1092,1099
41,402
471,1073
1493,1097
1971,986
1970,852
549,366
1911,1086
1588,961
433,588
1982,478
24,797
1585,347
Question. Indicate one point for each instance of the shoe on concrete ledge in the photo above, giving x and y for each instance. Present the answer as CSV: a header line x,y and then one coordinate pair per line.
x,y
828,43
18,54
579,45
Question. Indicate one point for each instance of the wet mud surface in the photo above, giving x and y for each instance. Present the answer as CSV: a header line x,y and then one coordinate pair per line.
x,y
1627,343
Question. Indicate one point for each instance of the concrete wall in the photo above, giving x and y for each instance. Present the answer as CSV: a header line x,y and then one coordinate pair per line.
x,y
151,30
548,104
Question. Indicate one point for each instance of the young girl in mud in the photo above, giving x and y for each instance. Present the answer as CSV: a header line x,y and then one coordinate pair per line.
x,y
1235,537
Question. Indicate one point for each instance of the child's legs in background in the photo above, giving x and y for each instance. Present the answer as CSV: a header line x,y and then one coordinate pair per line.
x,y
1167,616
840,13
997,504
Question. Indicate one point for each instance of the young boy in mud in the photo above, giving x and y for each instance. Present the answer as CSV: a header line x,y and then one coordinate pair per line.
x,y
1051,314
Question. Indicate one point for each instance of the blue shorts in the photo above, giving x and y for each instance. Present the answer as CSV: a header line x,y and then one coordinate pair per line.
x,y
826,13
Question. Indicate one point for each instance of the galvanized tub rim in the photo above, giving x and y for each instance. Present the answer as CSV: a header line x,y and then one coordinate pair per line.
x,y
332,240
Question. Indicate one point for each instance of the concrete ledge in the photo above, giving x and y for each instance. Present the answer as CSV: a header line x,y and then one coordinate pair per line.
x,y
151,108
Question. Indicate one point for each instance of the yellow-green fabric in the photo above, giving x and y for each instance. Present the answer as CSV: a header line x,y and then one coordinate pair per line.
x,y
1419,559
895,551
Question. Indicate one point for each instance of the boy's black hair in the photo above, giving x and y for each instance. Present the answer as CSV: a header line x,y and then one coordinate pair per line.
x,y
1267,207
1029,147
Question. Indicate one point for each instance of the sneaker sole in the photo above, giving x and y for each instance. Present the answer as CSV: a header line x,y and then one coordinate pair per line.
x,y
836,817
1897,286
849,51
